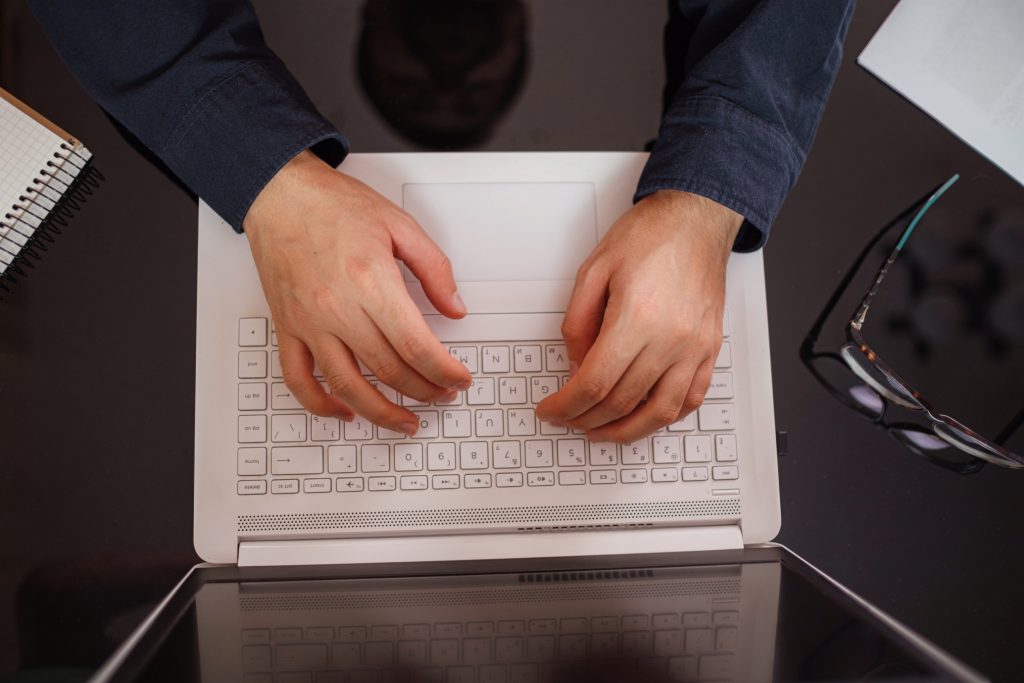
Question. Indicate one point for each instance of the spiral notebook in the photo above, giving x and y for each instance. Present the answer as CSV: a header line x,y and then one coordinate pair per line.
x,y
44,175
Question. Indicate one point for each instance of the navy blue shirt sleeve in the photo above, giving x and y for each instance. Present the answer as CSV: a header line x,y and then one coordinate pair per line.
x,y
747,84
196,83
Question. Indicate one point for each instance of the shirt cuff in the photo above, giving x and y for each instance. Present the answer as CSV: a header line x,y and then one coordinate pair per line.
x,y
237,135
714,148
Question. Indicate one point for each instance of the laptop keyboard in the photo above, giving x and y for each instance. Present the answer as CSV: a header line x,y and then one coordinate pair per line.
x,y
488,437
688,646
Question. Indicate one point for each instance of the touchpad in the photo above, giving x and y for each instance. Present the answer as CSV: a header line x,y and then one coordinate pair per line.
x,y
508,232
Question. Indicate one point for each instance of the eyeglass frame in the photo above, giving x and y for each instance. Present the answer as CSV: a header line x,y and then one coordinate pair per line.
x,y
911,399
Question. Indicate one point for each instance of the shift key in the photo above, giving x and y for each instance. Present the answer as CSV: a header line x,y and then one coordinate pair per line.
x,y
297,460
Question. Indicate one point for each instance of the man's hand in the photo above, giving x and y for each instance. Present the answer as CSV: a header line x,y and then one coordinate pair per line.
x,y
325,246
644,324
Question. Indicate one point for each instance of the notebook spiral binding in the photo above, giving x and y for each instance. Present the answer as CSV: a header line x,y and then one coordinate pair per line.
x,y
52,199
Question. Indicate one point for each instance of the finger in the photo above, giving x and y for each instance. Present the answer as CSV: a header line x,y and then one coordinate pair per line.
x,y
346,382
614,351
628,393
405,331
297,369
584,314
698,387
371,347
661,408
431,267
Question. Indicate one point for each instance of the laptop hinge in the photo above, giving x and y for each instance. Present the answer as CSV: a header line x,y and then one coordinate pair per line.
x,y
496,546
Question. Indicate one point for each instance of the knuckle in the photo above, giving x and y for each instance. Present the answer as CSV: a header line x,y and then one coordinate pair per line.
x,y
665,414
444,265
570,330
341,383
683,328
389,371
584,270
592,389
712,340
361,267
412,347
693,400
622,403
323,298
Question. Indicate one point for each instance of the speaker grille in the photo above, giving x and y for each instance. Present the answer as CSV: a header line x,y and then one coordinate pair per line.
x,y
524,518
517,594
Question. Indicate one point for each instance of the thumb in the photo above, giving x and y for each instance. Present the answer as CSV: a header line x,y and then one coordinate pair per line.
x,y
584,315
431,267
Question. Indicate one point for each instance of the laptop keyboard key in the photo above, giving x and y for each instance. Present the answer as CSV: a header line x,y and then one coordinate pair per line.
x,y
527,358
456,424
572,452
297,460
490,423
725,448
467,356
477,481
512,390
636,453
481,393
717,416
441,456
381,483
473,455
496,359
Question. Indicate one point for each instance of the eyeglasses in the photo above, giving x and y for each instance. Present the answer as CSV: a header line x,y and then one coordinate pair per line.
x,y
864,382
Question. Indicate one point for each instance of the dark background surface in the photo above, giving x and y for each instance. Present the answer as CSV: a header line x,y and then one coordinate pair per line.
x,y
97,348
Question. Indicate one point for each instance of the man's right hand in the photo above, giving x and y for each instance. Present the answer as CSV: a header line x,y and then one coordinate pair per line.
x,y
325,246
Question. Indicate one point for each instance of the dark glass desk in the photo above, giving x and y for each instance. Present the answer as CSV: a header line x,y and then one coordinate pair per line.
x,y
97,363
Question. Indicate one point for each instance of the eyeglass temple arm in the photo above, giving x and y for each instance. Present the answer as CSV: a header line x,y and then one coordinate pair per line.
x,y
862,309
1010,428
812,335
921,205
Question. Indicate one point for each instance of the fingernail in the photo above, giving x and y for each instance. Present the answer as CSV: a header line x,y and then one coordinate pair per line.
x,y
463,385
556,423
450,396
573,367
408,428
458,303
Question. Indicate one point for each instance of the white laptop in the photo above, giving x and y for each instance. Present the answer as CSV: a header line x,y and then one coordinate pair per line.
x,y
482,479
342,565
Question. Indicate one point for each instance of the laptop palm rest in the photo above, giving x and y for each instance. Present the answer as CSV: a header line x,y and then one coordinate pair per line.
x,y
514,247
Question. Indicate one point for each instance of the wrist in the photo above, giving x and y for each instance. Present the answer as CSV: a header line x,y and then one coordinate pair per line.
x,y
697,213
281,190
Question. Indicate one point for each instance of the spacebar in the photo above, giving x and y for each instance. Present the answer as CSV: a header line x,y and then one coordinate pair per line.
x,y
487,327
297,460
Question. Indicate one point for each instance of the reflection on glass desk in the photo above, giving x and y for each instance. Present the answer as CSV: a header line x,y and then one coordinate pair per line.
x,y
773,619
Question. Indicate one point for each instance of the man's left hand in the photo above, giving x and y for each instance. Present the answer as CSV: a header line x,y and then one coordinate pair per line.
x,y
644,325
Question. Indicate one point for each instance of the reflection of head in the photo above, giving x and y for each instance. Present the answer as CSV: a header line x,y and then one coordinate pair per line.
x,y
443,72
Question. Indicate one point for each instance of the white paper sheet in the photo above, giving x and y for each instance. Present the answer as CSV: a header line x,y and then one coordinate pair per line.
x,y
962,62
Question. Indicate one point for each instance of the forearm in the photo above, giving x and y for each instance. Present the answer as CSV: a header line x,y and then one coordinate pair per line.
x,y
748,81
196,83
